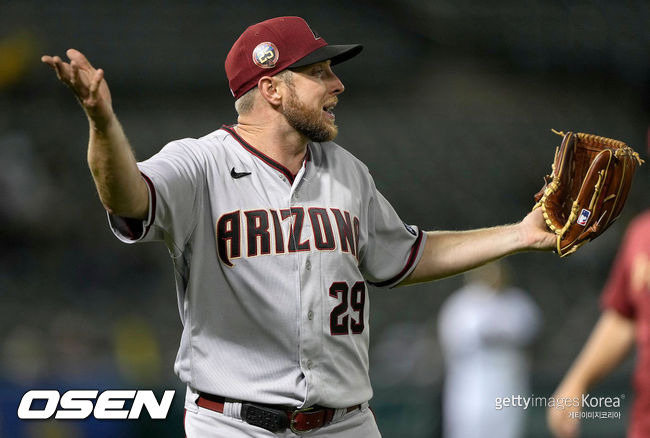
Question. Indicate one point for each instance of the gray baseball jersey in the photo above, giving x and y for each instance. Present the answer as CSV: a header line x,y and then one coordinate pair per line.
x,y
272,268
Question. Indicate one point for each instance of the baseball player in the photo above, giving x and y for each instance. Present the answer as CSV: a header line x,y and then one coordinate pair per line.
x,y
275,233
622,326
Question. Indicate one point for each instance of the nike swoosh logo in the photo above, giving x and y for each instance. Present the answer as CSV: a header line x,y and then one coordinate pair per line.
x,y
238,174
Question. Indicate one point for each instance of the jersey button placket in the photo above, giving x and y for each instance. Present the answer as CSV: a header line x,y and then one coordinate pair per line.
x,y
310,330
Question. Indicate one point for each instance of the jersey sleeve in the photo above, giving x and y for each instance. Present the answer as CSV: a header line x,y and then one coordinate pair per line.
x,y
174,178
617,294
393,248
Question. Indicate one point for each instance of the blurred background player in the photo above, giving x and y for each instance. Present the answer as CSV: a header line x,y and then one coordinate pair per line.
x,y
485,328
625,321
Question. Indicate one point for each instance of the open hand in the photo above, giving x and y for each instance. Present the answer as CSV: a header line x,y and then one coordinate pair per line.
x,y
86,82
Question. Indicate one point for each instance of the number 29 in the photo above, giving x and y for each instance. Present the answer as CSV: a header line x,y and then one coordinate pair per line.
x,y
342,323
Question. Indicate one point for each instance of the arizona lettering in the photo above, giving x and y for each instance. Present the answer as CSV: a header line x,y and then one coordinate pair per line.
x,y
265,232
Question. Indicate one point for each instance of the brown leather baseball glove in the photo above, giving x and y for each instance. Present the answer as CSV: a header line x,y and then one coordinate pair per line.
x,y
586,190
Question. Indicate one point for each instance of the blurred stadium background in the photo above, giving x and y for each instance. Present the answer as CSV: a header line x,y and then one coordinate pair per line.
x,y
450,106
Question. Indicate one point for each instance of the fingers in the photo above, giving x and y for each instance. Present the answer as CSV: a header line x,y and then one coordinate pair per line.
x,y
97,79
74,76
52,61
62,69
66,71
94,85
78,57
78,74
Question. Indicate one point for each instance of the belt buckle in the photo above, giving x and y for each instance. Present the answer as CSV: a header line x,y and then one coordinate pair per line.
x,y
273,420
292,420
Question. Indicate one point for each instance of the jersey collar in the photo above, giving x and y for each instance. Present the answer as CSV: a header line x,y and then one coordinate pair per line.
x,y
265,158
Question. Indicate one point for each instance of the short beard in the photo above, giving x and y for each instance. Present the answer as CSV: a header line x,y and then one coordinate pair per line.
x,y
308,122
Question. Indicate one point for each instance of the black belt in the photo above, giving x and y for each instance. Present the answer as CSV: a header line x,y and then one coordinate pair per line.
x,y
275,418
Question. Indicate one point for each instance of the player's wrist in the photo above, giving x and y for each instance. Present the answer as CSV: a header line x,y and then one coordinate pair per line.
x,y
532,233
102,124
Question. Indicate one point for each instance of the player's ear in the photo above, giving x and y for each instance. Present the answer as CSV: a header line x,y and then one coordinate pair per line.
x,y
269,88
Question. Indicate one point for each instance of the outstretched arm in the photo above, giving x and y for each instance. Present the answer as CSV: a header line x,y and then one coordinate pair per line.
x,y
112,163
448,253
609,343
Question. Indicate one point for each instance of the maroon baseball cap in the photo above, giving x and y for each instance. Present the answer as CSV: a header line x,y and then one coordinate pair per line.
x,y
267,48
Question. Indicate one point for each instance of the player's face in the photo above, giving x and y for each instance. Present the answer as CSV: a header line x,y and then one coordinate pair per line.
x,y
309,108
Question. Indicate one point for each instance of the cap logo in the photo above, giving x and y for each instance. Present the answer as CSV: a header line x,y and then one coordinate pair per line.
x,y
265,55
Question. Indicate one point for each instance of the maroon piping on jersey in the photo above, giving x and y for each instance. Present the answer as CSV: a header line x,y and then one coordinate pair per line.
x,y
152,189
268,160
412,256
133,228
